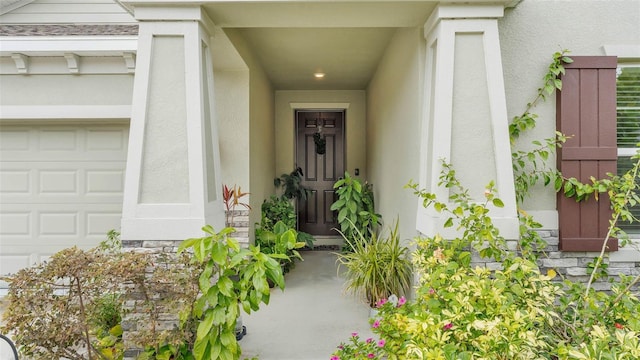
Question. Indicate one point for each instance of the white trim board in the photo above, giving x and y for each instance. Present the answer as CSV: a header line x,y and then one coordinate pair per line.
x,y
297,105
59,45
45,112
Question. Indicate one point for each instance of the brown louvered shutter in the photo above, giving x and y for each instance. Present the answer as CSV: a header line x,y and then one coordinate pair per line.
x,y
586,110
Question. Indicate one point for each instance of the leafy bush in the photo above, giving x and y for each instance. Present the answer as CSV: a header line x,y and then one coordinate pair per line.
x,y
355,207
291,186
67,293
274,210
462,312
231,277
277,209
280,240
465,312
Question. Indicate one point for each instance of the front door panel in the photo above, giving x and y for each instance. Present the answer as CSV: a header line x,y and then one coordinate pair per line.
x,y
320,170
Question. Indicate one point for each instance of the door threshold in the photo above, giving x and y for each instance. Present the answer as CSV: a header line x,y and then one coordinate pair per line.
x,y
328,240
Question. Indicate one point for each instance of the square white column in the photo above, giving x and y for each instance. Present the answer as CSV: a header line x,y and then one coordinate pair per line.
x,y
465,115
172,182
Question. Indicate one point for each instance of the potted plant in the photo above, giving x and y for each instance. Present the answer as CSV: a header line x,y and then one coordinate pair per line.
x,y
376,266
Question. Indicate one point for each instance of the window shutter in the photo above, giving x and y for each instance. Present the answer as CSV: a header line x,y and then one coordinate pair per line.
x,y
586,111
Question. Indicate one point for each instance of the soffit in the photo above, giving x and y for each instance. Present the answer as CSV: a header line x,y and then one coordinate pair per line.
x,y
294,39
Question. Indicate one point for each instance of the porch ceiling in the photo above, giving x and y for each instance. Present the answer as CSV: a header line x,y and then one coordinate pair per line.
x,y
344,39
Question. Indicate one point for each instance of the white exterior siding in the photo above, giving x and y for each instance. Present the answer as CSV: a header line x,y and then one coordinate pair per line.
x,y
68,11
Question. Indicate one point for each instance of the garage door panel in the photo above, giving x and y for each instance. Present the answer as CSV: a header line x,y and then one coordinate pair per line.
x,y
106,140
10,264
60,182
72,143
101,182
15,182
16,223
100,222
57,223
14,139
59,140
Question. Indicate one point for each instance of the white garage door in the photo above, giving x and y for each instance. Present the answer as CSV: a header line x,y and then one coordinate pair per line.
x,y
60,185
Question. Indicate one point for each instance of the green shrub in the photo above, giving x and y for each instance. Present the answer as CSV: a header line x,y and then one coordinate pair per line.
x,y
277,209
355,207
280,240
67,294
231,278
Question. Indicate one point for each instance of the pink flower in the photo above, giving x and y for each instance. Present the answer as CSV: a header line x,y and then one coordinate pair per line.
x,y
376,324
619,326
335,358
354,334
381,302
381,343
401,301
448,326
432,291
370,356
369,340
341,347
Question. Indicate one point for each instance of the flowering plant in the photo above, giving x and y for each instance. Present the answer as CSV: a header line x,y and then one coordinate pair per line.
x,y
356,349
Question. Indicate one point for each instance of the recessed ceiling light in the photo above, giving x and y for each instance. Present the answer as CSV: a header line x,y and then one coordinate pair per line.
x,y
318,75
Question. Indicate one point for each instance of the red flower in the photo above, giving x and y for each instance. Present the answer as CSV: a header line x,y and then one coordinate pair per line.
x,y
619,326
447,326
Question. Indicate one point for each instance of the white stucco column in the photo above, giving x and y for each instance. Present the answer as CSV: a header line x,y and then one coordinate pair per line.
x,y
465,115
172,182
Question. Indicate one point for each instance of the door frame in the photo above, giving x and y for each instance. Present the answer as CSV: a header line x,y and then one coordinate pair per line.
x,y
326,107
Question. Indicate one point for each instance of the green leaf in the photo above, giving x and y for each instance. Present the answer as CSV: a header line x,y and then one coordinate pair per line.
x,y
357,186
225,285
209,229
558,83
558,183
227,337
337,205
204,326
233,244
342,215
219,253
204,281
186,244
448,223
498,203
549,89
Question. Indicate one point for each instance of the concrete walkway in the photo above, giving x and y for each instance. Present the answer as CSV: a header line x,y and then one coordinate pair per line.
x,y
309,319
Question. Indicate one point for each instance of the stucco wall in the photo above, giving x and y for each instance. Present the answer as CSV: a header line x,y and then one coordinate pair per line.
x,y
394,107
355,126
262,129
232,112
531,32
78,90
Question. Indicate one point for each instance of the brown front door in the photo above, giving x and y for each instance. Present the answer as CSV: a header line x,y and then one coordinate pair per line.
x,y
321,170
